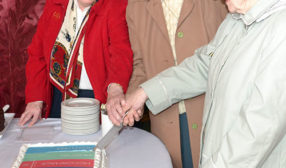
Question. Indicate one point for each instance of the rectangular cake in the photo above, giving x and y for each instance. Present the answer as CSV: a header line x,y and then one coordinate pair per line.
x,y
61,155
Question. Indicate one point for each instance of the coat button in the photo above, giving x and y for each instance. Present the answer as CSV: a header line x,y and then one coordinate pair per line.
x,y
180,34
194,126
56,15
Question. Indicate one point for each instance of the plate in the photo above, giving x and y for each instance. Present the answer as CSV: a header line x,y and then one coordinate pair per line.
x,y
79,118
80,103
8,119
80,112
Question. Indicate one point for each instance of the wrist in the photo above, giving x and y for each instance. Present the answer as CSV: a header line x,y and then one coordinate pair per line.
x,y
114,87
143,94
36,103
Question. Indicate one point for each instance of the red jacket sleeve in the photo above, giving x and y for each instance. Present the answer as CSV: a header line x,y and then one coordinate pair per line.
x,y
119,64
36,68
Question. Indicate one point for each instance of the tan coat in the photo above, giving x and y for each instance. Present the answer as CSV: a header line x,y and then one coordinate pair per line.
x,y
149,38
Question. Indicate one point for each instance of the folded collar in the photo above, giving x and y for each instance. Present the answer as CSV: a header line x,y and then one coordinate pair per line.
x,y
257,11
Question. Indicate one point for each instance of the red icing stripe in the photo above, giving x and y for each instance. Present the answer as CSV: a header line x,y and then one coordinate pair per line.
x,y
75,163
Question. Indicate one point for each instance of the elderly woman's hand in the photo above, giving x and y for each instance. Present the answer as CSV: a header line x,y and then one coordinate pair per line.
x,y
33,111
135,104
114,103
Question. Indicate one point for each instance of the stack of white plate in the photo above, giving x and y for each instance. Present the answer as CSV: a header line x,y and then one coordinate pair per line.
x,y
80,116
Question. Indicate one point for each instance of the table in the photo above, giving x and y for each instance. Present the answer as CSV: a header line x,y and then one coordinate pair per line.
x,y
132,148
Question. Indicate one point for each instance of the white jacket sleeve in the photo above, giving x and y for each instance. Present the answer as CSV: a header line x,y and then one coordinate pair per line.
x,y
189,79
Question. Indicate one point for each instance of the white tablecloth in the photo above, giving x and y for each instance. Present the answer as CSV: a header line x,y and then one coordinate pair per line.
x,y
133,148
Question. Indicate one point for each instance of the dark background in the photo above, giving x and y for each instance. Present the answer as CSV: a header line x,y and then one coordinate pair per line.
x,y
18,22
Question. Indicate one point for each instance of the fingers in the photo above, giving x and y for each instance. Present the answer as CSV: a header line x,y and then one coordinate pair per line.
x,y
114,107
117,104
34,120
115,97
125,121
136,116
131,117
128,120
33,110
21,120
113,114
123,102
24,118
119,109
113,120
126,107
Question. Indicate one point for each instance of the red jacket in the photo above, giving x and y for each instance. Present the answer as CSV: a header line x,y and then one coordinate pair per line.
x,y
107,51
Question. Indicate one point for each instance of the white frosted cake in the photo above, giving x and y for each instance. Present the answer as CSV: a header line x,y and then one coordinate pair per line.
x,y
61,155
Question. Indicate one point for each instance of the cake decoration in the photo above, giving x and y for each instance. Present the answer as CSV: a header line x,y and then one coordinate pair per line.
x,y
61,155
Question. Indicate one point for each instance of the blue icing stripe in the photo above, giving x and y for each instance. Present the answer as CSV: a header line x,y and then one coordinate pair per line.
x,y
60,149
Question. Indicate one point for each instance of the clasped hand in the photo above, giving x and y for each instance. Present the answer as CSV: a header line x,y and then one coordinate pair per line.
x,y
118,104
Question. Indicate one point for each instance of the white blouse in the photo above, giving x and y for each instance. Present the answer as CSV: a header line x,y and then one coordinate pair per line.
x,y
172,10
84,82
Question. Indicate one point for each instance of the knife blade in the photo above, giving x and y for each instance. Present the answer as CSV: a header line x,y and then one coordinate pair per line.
x,y
109,137
111,134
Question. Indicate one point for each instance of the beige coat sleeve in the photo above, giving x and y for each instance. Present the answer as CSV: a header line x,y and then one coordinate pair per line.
x,y
138,75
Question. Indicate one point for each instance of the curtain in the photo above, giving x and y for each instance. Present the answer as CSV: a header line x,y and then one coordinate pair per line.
x,y
18,22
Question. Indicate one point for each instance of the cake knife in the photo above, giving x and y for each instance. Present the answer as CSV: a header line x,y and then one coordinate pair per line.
x,y
111,134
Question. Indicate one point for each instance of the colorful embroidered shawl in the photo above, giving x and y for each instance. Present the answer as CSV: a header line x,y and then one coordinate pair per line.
x,y
67,54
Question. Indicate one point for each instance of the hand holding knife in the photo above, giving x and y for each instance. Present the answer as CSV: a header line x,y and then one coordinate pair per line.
x,y
111,134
